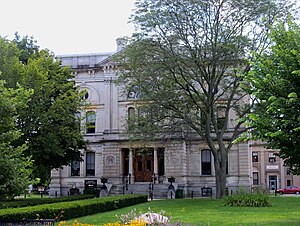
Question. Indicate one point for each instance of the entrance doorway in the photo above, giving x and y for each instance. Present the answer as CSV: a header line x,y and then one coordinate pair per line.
x,y
272,182
143,165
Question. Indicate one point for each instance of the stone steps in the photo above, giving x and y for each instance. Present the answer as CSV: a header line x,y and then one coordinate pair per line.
x,y
159,190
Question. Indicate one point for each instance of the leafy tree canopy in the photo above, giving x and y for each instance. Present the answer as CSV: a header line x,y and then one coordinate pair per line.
x,y
49,125
275,83
187,60
15,166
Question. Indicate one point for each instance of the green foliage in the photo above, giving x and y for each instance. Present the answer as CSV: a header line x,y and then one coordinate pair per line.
x,y
179,194
39,201
186,62
275,83
247,200
48,125
27,46
10,65
15,167
95,192
69,210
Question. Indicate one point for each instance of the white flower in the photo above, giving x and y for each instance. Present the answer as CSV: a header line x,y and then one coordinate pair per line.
x,y
153,218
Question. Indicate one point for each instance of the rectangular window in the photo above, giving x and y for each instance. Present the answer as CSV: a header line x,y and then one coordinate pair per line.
x,y
254,157
90,164
75,168
272,157
288,183
255,178
90,122
205,162
221,113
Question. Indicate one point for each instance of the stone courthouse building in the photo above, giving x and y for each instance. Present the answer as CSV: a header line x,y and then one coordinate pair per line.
x,y
134,168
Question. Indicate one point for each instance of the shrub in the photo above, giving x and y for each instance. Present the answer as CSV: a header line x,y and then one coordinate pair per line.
x,y
69,210
249,200
179,194
38,201
95,192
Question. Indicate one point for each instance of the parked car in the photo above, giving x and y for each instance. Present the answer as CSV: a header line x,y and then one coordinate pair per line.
x,y
289,190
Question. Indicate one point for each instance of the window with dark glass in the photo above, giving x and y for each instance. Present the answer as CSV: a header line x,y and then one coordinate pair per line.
x,y
140,165
86,95
272,157
90,122
206,162
75,168
288,183
90,164
221,112
254,157
148,166
161,161
255,178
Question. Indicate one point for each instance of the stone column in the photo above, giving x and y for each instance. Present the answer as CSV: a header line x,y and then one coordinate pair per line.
x,y
55,185
98,165
82,164
155,163
130,165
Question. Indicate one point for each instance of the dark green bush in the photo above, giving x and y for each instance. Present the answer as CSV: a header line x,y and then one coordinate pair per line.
x,y
38,201
248,200
69,210
95,192
179,194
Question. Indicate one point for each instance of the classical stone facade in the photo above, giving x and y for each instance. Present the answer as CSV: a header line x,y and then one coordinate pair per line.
x,y
132,167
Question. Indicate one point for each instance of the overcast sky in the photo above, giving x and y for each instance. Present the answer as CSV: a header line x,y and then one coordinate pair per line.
x,y
68,26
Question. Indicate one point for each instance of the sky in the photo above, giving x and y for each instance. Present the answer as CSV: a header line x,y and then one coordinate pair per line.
x,y
68,26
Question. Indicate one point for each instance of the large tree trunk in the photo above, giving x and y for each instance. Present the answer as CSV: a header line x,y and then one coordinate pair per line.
x,y
220,171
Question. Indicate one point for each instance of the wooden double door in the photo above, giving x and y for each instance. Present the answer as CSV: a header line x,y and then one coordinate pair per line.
x,y
143,166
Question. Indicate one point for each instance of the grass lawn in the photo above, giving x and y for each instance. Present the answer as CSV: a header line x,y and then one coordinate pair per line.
x,y
284,211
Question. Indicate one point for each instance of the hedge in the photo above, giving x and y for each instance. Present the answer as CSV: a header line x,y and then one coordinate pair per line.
x,y
38,201
69,210
248,200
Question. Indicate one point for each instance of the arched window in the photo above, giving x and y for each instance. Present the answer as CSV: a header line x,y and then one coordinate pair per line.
x,y
90,122
131,113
